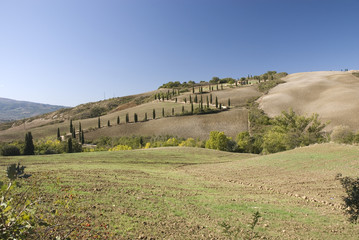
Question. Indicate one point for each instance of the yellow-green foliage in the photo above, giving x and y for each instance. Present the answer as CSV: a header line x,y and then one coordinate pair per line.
x,y
218,140
342,134
171,142
189,142
120,148
49,146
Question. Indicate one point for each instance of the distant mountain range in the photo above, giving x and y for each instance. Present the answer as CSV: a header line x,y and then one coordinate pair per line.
x,y
13,110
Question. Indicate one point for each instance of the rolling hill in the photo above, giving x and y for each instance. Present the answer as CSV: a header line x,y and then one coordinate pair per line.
x,y
13,110
333,95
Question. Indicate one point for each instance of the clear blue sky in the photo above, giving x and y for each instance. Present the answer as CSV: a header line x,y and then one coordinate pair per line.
x,y
68,52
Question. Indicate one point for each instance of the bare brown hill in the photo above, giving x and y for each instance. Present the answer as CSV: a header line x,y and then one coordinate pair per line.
x,y
333,95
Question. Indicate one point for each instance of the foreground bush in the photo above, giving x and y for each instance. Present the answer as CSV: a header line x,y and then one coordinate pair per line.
x,y
351,201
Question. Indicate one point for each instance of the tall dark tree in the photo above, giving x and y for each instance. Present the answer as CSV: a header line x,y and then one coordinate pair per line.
x,y
190,99
192,108
108,123
82,137
71,126
153,114
221,86
163,112
135,117
229,102
216,102
99,122
217,87
69,145
118,120
74,133
80,129
175,99
195,98
192,89
182,109
207,102
155,96
29,144
145,119
127,118
173,111
210,98
185,100
58,134
220,106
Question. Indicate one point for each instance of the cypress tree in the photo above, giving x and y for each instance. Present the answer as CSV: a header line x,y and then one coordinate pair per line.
x,y
173,111
229,102
175,99
145,118
153,114
217,87
182,109
221,86
167,96
118,120
58,134
212,88
155,96
209,88
236,83
82,137
127,118
29,144
163,112
71,126
69,145
80,127
192,89
99,123
207,102
108,123
216,102
163,97
210,98
220,106
135,117
192,108
74,133
185,100
195,98
201,98
201,106
173,91
190,99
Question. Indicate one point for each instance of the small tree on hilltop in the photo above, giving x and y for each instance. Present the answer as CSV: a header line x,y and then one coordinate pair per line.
x,y
82,137
216,102
127,118
99,123
108,123
74,133
153,114
163,112
29,145
80,129
118,120
135,117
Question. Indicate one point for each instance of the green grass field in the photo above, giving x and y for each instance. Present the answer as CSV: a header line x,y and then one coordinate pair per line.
x,y
185,193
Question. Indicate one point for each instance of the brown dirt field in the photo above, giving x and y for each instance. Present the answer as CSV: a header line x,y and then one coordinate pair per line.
x,y
333,95
230,122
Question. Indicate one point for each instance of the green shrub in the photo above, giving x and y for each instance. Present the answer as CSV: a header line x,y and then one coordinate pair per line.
x,y
351,201
342,134
10,150
219,141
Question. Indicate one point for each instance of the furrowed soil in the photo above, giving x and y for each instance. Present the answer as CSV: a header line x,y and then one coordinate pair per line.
x,y
186,193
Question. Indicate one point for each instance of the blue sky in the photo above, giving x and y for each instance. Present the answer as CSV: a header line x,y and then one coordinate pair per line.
x,y
68,52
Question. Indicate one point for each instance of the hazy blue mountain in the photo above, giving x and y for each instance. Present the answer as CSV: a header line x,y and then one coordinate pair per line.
x,y
13,110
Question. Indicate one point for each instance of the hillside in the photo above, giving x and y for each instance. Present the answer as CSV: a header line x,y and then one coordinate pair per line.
x,y
231,121
333,95
176,193
13,110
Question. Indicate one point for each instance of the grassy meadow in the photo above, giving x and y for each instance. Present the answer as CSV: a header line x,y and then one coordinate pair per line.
x,y
186,193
